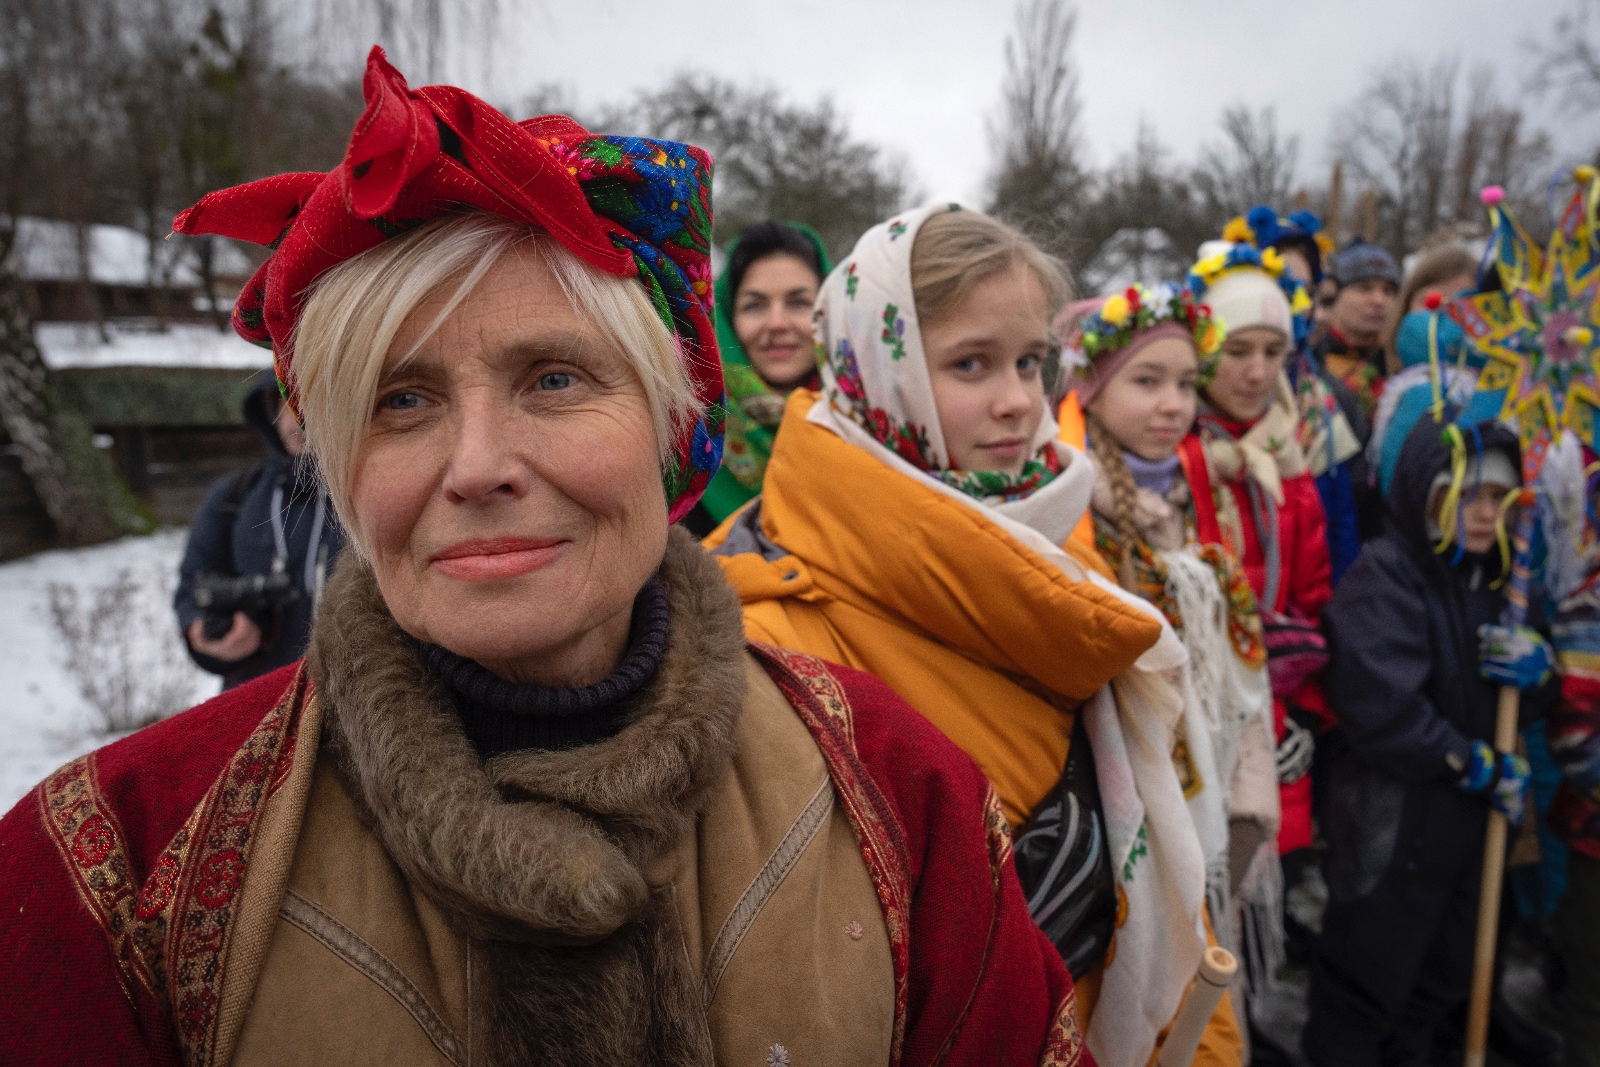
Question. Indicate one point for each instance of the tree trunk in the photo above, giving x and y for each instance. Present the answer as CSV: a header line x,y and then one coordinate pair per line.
x,y
207,257
25,412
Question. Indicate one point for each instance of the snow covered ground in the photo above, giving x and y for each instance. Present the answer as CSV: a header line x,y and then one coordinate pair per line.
x,y
45,718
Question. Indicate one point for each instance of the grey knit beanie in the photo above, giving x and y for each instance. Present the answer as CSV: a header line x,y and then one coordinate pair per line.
x,y
1359,261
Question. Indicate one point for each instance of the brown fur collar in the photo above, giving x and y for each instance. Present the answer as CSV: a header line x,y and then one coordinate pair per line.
x,y
541,854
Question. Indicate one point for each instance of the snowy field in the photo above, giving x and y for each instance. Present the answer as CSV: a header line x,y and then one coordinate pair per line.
x,y
117,599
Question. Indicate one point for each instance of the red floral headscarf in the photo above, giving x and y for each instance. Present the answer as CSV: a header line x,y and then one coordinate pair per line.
x,y
628,206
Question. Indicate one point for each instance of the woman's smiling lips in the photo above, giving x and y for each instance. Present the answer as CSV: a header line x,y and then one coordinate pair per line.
x,y
781,352
490,558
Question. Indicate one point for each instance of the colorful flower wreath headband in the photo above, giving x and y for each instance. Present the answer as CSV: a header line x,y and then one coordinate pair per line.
x,y
1262,227
1136,311
1206,273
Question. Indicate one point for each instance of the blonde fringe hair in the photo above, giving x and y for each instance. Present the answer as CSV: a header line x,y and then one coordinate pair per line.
x,y
956,250
343,343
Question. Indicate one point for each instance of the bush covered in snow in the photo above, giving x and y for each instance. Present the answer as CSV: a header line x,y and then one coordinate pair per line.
x,y
128,681
54,691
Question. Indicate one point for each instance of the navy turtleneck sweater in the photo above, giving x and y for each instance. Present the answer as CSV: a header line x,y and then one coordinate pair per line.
x,y
500,716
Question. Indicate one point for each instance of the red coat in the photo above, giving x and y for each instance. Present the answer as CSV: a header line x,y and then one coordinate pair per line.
x,y
1305,585
122,871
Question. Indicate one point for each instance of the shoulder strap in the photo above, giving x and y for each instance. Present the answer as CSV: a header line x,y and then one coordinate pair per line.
x,y
1192,454
240,482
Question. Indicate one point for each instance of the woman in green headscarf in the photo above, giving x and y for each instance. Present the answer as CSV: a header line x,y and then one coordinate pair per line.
x,y
763,314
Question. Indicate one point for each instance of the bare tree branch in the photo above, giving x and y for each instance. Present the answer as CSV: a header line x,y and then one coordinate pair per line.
x,y
1567,64
775,159
1039,180
1423,140
1253,164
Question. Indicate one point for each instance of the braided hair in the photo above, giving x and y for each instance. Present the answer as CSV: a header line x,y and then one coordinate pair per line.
x,y
1109,455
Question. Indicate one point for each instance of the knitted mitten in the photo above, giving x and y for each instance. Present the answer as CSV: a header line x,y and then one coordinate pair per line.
x,y
1514,655
1502,776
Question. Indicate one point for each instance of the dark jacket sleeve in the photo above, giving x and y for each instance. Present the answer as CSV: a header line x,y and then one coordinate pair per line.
x,y
1339,512
208,551
1378,636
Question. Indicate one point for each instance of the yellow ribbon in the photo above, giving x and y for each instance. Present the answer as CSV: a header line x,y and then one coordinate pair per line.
x,y
1452,498
1591,176
1501,538
1433,366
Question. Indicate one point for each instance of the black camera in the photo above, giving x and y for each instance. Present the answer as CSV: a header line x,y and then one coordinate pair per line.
x,y
218,596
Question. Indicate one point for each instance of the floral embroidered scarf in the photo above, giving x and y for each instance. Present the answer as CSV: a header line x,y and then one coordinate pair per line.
x,y
875,374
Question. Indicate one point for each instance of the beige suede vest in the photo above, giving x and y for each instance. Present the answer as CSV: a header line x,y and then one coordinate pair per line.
x,y
775,908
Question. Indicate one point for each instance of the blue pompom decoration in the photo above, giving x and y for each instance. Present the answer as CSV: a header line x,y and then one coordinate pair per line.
x,y
1306,221
1264,221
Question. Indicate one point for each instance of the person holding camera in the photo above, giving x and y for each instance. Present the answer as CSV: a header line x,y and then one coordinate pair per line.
x,y
259,550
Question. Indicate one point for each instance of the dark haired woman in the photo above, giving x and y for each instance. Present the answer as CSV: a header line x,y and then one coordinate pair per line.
x,y
764,300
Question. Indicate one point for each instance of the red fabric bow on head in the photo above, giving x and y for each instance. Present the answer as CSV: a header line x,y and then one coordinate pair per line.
x,y
629,206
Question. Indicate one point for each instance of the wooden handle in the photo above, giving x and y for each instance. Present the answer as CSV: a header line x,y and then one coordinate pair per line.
x,y
1494,862
1211,979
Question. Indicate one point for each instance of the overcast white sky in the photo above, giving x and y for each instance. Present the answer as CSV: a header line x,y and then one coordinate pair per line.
x,y
921,76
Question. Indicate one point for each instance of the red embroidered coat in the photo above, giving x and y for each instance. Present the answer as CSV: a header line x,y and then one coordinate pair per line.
x,y
125,871
1305,585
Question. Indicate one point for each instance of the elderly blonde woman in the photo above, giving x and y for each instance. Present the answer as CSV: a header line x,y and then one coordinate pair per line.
x,y
531,798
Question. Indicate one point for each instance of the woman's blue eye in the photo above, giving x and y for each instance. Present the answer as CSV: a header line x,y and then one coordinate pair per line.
x,y
556,380
402,401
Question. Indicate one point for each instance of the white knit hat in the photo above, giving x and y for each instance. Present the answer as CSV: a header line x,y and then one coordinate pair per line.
x,y
1245,297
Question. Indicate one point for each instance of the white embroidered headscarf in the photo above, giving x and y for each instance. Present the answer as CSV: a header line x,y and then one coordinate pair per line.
x,y
878,397
875,373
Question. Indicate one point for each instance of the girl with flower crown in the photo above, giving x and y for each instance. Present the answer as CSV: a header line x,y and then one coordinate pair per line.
x,y
1138,359
912,523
